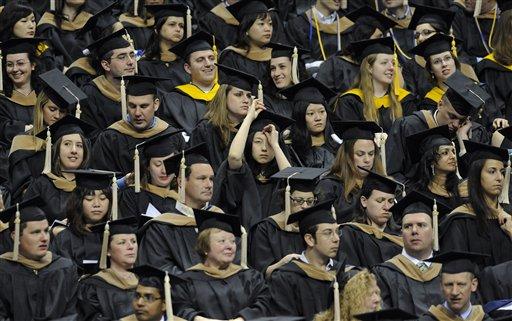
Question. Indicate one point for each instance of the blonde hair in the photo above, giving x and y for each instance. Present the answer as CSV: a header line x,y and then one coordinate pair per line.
x,y
365,83
38,123
218,114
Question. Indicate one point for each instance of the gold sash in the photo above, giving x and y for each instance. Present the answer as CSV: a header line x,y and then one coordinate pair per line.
x,y
435,94
412,271
315,272
27,142
137,21
125,128
66,25
223,13
83,63
107,88
61,183
160,191
429,118
175,219
372,230
384,101
491,58
168,56
216,273
112,278
22,100
31,264
196,93
256,55
443,314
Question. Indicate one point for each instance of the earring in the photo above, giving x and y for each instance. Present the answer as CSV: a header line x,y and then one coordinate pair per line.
x,y
433,170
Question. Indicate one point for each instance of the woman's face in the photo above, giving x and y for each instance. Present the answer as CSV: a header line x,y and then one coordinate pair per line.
x,y
19,68
71,152
238,102
172,30
443,65
372,299
491,178
447,159
281,72
423,32
364,155
95,207
383,69
52,113
316,118
123,249
222,248
261,31
262,152
377,207
157,172
25,27
301,200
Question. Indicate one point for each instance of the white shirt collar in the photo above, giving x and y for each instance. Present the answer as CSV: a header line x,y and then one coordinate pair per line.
x,y
326,19
187,210
304,259
414,260
464,315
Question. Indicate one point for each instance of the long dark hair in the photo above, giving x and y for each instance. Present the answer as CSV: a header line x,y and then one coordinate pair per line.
x,y
12,13
243,40
75,209
153,47
477,197
9,86
359,214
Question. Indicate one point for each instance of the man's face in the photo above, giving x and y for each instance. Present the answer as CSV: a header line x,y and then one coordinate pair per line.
x,y
34,240
417,233
141,110
457,289
327,240
122,62
199,184
148,304
201,66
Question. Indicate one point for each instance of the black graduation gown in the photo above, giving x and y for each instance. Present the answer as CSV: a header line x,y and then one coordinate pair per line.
x,y
170,68
256,63
331,187
46,294
100,297
138,29
338,73
403,286
495,282
77,247
103,103
135,204
365,247
54,197
15,113
6,241
206,132
270,242
244,294
299,292
222,24
318,156
80,72
416,78
498,79
278,105
439,313
460,231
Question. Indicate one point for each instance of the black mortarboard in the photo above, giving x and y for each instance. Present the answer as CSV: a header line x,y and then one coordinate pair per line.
x,y
364,48
369,16
103,18
197,154
127,225
160,11
416,202
30,210
61,90
197,42
93,179
351,130
266,117
108,43
310,90
504,5
284,50
465,94
20,45
379,182
432,15
309,217
434,45
301,178
478,151
225,222
148,271
457,262
388,314
65,126
418,144
237,78
139,85
244,7
159,145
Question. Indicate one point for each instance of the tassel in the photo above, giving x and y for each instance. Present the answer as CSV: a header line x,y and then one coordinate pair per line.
x,y
336,289
478,8
181,188
168,299
454,46
396,76
243,258
295,66
457,170
189,23
214,49
124,110
48,152
1,72
78,110
333,213
135,7
404,193
382,149
338,32
104,247
288,202
506,183
406,3
17,222
344,4
52,5
435,223
260,91
136,169
114,198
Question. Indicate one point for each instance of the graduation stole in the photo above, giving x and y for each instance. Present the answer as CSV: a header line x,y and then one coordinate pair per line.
x,y
435,94
279,218
441,190
66,25
443,314
137,21
125,128
384,101
429,118
402,23
372,230
3,226
163,192
31,264
256,55
22,100
132,317
175,219
330,28
27,142
410,270
61,183
316,272
491,58
216,273
107,89
84,63
226,16
168,56
196,93
112,278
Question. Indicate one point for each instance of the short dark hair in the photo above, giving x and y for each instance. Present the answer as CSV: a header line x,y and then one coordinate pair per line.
x,y
153,282
311,230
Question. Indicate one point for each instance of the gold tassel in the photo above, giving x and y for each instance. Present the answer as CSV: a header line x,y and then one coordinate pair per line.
x,y
478,8
506,185
336,289
189,23
396,76
136,169
168,299
344,4
260,91
52,5
295,66
243,254
435,223
17,221
48,152
114,198
1,72
181,188
135,7
104,247
454,46
124,110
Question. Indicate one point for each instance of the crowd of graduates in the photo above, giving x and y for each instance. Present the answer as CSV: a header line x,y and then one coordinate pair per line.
x,y
319,160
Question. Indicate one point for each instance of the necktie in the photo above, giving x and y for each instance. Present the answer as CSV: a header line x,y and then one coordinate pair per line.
x,y
422,266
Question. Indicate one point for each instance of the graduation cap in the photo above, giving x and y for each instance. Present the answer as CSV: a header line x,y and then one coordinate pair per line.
x,y
309,217
436,44
310,90
148,271
364,48
292,52
465,94
420,143
160,11
369,16
352,130
432,15
237,78
102,46
379,182
196,42
126,225
457,262
104,14
504,5
266,117
23,212
225,222
178,164
388,314
62,91
416,202
245,7
65,126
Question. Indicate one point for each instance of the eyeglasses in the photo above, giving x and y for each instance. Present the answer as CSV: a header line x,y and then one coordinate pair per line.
x,y
301,200
424,33
329,234
124,57
19,64
446,59
147,298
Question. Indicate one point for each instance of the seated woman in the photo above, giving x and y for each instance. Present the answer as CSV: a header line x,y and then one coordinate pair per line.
x,y
377,95
210,283
67,148
108,294
481,225
371,238
311,135
344,180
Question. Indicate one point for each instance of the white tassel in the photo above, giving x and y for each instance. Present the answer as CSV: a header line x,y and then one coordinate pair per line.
x,y
260,91
136,170
336,289
124,110
181,188
435,222
189,23
52,5
506,183
333,213
406,3
243,255
344,4
295,66
104,247
168,301
135,7
114,198
78,110
478,8
383,138
48,152
338,32
17,221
